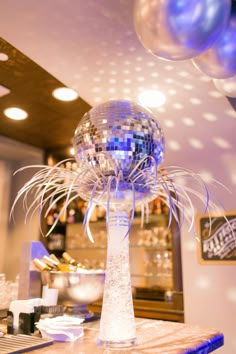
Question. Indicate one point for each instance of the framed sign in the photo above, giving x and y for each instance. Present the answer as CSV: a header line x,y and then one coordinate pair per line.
x,y
217,233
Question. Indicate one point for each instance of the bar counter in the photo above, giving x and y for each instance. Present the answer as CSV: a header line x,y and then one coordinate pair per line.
x,y
153,336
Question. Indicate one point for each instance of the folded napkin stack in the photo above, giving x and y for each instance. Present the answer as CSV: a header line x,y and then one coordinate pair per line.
x,y
61,328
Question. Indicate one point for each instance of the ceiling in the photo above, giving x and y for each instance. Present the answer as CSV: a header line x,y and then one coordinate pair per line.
x,y
31,89
92,47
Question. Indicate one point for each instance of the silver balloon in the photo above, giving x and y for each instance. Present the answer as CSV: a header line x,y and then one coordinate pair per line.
x,y
226,86
179,30
219,61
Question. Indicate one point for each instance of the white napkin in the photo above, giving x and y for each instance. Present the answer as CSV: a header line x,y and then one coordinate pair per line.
x,y
61,328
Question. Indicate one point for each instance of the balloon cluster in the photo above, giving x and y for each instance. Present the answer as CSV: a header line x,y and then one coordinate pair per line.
x,y
203,31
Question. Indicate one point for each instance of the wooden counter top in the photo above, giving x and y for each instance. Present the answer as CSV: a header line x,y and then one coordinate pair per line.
x,y
154,337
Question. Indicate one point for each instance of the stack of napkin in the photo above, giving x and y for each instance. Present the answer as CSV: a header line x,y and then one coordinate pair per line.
x,y
61,328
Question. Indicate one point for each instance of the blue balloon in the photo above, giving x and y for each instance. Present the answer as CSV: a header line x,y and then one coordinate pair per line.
x,y
219,61
179,30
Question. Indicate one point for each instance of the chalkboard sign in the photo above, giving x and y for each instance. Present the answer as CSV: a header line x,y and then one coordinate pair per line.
x,y
217,238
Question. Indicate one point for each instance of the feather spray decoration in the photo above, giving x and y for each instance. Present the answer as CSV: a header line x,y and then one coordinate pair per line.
x,y
119,148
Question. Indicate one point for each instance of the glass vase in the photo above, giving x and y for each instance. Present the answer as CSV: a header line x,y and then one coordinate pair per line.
x,y
117,325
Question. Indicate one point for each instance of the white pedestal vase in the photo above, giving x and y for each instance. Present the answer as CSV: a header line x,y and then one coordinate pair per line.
x,y
117,325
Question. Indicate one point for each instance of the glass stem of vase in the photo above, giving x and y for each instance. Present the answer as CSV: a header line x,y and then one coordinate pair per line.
x,y
117,325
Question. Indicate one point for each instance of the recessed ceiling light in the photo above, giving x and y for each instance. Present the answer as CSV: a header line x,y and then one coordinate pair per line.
x,y
15,113
3,57
152,98
65,94
72,151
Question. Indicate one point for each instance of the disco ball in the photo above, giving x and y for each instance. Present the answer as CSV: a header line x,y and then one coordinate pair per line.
x,y
117,139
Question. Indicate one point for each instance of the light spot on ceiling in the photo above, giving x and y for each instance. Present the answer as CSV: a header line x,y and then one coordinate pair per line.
x,y
231,294
183,73
233,178
169,123
141,89
112,90
96,89
210,117
140,78
195,101
172,92
231,113
178,105
195,143
161,109
154,74
173,145
169,67
155,87
205,78
169,80
188,87
132,49
221,143
215,94
151,99
98,99
188,121
151,64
